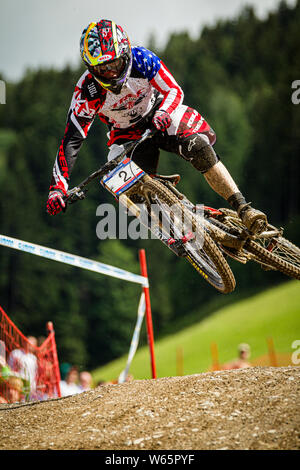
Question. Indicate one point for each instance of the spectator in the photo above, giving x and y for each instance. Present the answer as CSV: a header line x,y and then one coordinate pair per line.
x,y
11,386
24,362
15,389
69,385
85,381
242,360
4,369
64,369
2,354
41,340
5,373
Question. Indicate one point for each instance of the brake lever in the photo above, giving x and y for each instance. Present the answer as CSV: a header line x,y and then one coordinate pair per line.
x,y
74,195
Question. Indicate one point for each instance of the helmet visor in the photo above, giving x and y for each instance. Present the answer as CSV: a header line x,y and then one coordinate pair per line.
x,y
109,70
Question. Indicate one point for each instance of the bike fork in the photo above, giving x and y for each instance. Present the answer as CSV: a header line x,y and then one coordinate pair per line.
x,y
175,245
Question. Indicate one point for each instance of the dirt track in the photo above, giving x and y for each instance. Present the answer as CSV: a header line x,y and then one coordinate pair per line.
x,y
255,408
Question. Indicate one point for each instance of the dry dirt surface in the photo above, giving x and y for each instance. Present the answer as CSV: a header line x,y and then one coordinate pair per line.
x,y
254,409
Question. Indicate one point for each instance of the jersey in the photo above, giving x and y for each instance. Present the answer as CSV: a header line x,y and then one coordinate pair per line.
x,y
149,83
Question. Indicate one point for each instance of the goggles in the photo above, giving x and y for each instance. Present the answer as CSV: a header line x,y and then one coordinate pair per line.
x,y
109,70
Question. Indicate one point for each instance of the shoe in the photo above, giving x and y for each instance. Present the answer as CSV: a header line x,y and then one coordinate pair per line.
x,y
255,220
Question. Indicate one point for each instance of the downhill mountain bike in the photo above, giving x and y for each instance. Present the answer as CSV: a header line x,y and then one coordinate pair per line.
x,y
204,236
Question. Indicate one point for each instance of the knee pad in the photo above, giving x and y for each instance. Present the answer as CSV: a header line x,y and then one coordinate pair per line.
x,y
197,149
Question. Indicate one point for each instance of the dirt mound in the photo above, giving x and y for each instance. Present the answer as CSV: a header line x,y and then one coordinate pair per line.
x,y
256,408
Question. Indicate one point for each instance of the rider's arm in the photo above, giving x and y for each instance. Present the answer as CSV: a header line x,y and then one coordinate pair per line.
x,y
150,66
166,84
80,118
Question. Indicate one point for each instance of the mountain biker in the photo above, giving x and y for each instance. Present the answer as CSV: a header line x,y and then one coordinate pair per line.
x,y
131,90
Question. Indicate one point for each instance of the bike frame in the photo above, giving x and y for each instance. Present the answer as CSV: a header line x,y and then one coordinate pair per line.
x,y
230,240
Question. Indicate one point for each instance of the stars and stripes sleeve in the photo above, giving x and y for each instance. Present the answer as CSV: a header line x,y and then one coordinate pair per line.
x,y
166,84
80,117
153,68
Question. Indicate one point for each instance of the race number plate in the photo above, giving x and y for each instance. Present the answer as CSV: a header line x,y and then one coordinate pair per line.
x,y
122,177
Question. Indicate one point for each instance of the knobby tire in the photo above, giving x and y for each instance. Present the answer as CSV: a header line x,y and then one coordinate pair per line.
x,y
265,257
209,247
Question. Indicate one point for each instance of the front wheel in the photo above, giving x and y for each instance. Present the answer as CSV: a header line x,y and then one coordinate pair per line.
x,y
176,221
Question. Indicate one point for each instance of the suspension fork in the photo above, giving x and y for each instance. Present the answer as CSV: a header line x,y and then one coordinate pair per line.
x,y
177,246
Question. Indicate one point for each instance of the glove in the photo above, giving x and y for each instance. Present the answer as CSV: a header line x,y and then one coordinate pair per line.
x,y
161,120
55,202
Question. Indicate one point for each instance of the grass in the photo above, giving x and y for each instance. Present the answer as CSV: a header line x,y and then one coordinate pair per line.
x,y
274,313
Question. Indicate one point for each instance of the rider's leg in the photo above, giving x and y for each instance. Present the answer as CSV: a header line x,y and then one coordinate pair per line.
x,y
222,183
194,142
220,180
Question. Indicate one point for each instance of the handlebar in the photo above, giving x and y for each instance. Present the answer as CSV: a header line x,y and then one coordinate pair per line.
x,y
78,192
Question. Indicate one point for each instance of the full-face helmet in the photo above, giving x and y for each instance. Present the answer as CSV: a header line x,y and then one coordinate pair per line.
x,y
106,51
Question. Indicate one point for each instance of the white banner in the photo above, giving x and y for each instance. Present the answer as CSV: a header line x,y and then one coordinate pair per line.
x,y
73,260
135,338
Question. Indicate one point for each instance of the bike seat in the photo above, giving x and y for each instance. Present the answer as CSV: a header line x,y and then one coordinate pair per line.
x,y
174,179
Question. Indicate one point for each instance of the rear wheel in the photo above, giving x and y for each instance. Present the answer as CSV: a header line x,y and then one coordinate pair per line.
x,y
175,221
269,249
